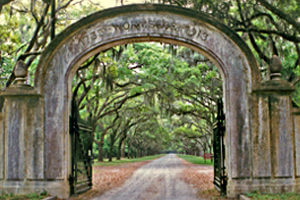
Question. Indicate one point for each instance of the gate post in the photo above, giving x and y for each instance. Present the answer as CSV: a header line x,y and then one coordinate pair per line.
x,y
23,137
282,167
1,142
296,116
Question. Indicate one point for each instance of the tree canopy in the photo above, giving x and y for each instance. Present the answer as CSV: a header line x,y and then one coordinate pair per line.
x,y
149,96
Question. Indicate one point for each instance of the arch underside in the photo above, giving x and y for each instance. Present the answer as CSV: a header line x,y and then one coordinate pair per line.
x,y
141,24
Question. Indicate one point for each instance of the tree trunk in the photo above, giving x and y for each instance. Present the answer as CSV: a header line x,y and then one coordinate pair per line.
x,y
119,150
211,158
111,148
128,150
123,150
110,153
100,155
204,155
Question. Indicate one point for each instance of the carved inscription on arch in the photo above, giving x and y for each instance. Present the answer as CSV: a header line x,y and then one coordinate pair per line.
x,y
139,25
161,26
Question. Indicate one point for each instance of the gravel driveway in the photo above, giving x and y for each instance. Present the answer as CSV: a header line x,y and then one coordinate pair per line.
x,y
157,180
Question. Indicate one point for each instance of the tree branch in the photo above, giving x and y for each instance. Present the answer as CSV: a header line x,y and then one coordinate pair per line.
x,y
283,35
37,29
296,81
280,14
3,3
257,49
25,55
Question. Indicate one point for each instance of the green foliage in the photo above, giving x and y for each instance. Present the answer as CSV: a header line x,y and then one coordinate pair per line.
x,y
195,159
281,196
188,132
126,160
33,196
13,32
5,70
296,95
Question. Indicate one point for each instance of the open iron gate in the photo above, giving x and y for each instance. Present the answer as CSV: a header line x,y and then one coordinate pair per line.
x,y
81,143
220,178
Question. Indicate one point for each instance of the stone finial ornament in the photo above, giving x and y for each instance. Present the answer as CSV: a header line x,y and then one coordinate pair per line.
x,y
20,73
275,68
276,85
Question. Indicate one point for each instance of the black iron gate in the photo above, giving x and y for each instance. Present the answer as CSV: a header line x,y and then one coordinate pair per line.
x,y
81,144
220,178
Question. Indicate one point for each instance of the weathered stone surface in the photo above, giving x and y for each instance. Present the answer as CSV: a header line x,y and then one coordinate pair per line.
x,y
271,87
1,146
261,152
281,136
277,93
23,114
240,135
297,185
14,138
55,129
267,185
27,187
34,139
296,117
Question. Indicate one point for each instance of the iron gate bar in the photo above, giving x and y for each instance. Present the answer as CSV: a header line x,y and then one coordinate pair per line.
x,y
220,177
81,140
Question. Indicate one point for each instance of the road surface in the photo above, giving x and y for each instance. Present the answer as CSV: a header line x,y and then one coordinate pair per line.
x,y
157,180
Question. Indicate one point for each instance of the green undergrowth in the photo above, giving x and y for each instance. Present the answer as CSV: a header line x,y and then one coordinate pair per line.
x,y
195,159
33,196
282,196
126,160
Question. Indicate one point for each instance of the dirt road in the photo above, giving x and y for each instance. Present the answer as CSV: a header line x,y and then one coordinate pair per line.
x,y
157,180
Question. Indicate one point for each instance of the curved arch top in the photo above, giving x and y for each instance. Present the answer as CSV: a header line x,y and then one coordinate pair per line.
x,y
150,21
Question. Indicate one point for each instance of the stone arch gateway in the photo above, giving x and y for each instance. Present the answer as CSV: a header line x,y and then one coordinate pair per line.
x,y
34,128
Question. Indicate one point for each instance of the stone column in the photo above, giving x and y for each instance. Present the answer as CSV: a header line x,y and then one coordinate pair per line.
x,y
277,92
1,144
296,116
23,136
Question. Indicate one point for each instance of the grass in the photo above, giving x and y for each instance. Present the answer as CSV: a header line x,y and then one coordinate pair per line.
x,y
195,159
33,196
126,160
283,196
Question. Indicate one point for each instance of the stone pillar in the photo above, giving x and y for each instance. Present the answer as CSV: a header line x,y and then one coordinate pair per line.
x,y
23,137
296,116
1,144
277,92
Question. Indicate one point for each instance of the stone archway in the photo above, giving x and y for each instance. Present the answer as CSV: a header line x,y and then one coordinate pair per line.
x,y
47,165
